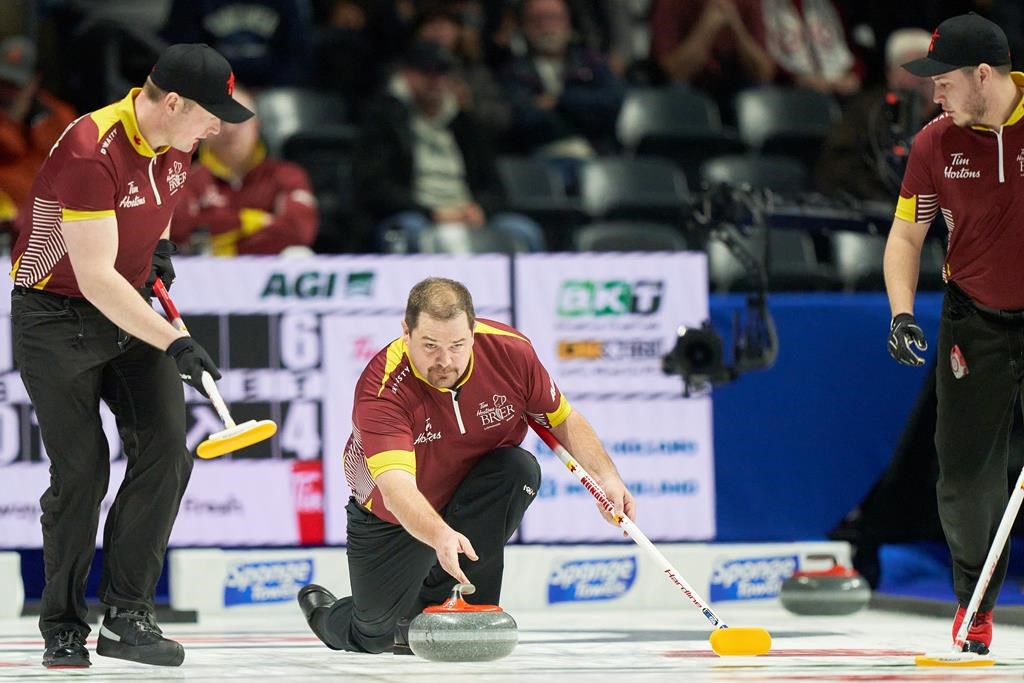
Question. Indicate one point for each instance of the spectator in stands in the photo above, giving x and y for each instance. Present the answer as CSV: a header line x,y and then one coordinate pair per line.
x,y
864,156
31,120
714,45
565,98
367,33
606,26
451,26
421,161
248,203
268,42
807,40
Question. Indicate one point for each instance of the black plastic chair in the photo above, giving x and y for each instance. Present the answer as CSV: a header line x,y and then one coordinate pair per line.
x,y
469,241
789,121
629,236
858,260
533,188
636,189
783,175
285,111
676,122
792,263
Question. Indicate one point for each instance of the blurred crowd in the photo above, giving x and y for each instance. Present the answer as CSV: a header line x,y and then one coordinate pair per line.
x,y
404,125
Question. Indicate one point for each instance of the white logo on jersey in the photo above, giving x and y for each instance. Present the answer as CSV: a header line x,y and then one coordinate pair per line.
x,y
427,435
959,167
501,412
175,177
1020,161
132,199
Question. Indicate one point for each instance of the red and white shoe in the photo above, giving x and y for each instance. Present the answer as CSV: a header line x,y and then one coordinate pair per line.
x,y
979,637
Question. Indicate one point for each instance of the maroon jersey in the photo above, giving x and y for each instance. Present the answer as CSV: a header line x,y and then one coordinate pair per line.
x,y
100,166
400,421
975,176
268,209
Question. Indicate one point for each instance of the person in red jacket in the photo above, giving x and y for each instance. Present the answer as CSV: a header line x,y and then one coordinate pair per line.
x,y
31,120
249,203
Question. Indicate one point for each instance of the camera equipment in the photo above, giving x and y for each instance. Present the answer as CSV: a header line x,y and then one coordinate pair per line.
x,y
698,352
894,123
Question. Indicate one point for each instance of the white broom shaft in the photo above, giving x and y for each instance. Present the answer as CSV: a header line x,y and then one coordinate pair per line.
x,y
629,526
989,568
208,383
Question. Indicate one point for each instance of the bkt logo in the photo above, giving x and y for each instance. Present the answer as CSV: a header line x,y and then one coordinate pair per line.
x,y
262,582
578,298
751,578
585,580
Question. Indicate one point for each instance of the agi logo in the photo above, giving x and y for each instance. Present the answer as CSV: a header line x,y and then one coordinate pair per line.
x,y
263,582
577,298
585,580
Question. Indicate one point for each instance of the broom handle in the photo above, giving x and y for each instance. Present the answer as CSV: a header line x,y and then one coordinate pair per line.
x,y
989,568
627,525
208,383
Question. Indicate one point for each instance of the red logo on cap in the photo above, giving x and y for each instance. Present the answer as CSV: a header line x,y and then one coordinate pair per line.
x,y
231,83
935,35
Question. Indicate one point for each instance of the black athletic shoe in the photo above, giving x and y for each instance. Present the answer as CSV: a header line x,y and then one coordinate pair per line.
x,y
402,637
134,635
311,598
975,646
66,650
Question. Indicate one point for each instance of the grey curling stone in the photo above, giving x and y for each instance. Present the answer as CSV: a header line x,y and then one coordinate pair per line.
x,y
836,591
457,631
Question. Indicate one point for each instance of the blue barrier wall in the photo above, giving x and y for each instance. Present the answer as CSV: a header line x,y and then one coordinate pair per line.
x,y
799,445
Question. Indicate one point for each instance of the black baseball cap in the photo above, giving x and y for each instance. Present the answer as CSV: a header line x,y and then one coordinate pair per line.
x,y
965,40
200,73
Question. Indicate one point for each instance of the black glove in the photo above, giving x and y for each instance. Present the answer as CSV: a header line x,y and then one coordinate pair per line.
x,y
192,359
162,266
903,332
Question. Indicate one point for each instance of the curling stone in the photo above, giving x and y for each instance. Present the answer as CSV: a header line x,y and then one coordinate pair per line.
x,y
457,631
833,591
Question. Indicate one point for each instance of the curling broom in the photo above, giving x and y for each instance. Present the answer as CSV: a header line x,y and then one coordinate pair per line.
x,y
234,436
725,641
956,656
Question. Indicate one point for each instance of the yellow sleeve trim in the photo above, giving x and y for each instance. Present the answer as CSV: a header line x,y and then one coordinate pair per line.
x,y
391,460
906,208
71,215
484,328
561,413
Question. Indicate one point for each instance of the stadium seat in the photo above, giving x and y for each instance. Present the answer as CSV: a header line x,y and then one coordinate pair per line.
x,y
284,111
789,121
629,236
533,188
858,260
440,240
637,189
792,264
780,174
675,122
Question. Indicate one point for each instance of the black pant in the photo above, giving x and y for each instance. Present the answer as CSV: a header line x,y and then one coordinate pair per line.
x,y
972,436
393,575
71,357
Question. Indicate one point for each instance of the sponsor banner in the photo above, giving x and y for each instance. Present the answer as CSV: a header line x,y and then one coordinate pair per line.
x,y
606,578
751,578
253,583
341,283
227,503
602,322
662,450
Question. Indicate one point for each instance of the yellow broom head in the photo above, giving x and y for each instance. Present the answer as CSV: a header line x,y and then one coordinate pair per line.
x,y
235,438
742,642
954,659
